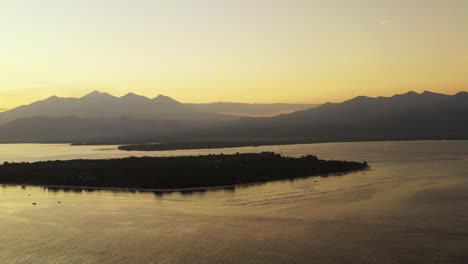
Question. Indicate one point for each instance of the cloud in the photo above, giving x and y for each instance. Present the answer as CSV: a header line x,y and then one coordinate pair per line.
x,y
385,22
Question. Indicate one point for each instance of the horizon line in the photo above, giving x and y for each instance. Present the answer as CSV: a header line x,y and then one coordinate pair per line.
x,y
99,93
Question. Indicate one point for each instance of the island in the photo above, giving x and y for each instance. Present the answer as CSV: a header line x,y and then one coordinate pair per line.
x,y
203,145
165,173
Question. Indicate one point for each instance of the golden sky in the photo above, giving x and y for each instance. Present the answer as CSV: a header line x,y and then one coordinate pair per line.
x,y
304,51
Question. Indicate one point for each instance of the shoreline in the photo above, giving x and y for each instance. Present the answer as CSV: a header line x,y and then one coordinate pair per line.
x,y
122,147
181,190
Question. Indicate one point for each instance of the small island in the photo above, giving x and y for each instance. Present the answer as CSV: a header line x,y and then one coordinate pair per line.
x,y
202,145
166,173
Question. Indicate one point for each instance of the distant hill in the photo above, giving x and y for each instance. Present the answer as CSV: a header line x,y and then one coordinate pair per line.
x,y
104,105
252,110
409,116
92,130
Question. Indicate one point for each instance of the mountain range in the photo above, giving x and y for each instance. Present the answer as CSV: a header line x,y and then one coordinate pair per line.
x,y
103,105
100,117
409,116
252,110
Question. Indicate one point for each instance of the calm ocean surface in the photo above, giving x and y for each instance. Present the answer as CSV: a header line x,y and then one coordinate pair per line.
x,y
412,207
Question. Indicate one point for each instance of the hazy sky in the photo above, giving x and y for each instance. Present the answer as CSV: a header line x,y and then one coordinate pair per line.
x,y
239,50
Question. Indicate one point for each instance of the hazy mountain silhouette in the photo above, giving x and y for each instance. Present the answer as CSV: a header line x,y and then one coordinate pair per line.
x,y
401,117
93,130
409,116
104,105
252,110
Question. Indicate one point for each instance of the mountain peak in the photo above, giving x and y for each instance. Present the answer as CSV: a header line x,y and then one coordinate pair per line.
x,y
429,93
165,99
358,99
94,93
133,96
411,93
461,94
97,94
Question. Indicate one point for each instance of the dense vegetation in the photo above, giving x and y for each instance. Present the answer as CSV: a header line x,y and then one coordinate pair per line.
x,y
171,172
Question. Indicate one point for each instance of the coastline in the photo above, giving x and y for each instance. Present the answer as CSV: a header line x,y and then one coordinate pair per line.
x,y
193,189
171,146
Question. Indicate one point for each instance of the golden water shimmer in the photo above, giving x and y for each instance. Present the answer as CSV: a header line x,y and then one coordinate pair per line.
x,y
244,50
410,208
